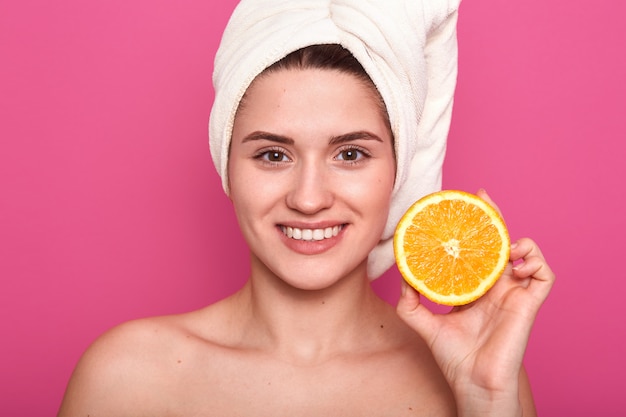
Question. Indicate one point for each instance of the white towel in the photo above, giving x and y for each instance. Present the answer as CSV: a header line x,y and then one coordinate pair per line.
x,y
409,50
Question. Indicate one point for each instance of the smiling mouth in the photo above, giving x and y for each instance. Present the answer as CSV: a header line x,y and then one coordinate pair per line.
x,y
311,234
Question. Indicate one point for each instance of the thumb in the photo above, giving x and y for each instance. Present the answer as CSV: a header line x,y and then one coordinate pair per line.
x,y
415,314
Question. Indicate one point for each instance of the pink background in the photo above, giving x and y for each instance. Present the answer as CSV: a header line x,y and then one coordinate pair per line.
x,y
111,210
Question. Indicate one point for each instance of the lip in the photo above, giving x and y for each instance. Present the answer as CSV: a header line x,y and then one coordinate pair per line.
x,y
311,247
312,225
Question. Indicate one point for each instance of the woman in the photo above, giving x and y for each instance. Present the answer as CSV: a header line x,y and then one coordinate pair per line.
x,y
314,172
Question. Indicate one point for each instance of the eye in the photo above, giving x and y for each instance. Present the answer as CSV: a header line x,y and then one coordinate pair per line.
x,y
349,155
352,154
272,156
275,156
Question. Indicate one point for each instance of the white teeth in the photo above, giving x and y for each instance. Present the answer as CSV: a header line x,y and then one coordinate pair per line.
x,y
318,234
310,234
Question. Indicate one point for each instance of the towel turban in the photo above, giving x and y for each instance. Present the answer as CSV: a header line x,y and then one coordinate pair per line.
x,y
407,47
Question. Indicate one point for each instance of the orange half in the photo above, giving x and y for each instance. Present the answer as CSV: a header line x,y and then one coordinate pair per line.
x,y
451,246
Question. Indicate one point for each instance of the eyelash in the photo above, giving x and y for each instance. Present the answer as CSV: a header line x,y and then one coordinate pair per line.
x,y
354,148
263,155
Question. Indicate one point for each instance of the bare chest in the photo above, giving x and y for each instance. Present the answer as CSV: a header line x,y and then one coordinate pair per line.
x,y
253,386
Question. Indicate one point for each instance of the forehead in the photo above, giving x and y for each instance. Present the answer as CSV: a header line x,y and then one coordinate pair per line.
x,y
311,96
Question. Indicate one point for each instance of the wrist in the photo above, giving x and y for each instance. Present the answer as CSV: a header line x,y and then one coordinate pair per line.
x,y
480,402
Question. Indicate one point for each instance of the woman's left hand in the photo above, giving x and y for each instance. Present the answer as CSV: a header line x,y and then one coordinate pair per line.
x,y
480,346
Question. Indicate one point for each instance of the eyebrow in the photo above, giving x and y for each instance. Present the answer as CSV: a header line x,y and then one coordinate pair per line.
x,y
259,135
359,135
348,137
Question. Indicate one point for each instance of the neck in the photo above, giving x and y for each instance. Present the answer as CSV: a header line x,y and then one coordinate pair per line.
x,y
310,326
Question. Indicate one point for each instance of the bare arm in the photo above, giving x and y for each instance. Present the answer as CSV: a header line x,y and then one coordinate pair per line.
x,y
480,347
526,396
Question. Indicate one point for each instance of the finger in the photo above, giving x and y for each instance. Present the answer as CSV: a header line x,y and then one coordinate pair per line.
x,y
483,194
525,248
415,314
533,267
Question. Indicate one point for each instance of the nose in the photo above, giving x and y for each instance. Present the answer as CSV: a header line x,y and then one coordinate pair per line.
x,y
311,189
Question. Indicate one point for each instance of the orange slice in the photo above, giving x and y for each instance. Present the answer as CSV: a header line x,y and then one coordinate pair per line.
x,y
451,246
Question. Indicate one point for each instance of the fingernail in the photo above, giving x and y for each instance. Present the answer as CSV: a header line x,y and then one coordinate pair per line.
x,y
403,287
513,245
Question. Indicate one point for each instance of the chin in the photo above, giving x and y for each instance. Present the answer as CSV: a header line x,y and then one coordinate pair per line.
x,y
321,280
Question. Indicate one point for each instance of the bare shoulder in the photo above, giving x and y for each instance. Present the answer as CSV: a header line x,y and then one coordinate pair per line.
x,y
203,363
133,368
408,375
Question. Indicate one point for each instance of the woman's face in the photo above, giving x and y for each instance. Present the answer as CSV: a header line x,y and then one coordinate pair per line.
x,y
311,171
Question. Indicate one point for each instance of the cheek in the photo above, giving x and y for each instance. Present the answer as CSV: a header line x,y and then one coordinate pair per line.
x,y
386,175
372,192
383,188
239,190
381,196
252,194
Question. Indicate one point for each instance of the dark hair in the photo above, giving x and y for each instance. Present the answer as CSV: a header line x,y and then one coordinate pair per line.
x,y
331,57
